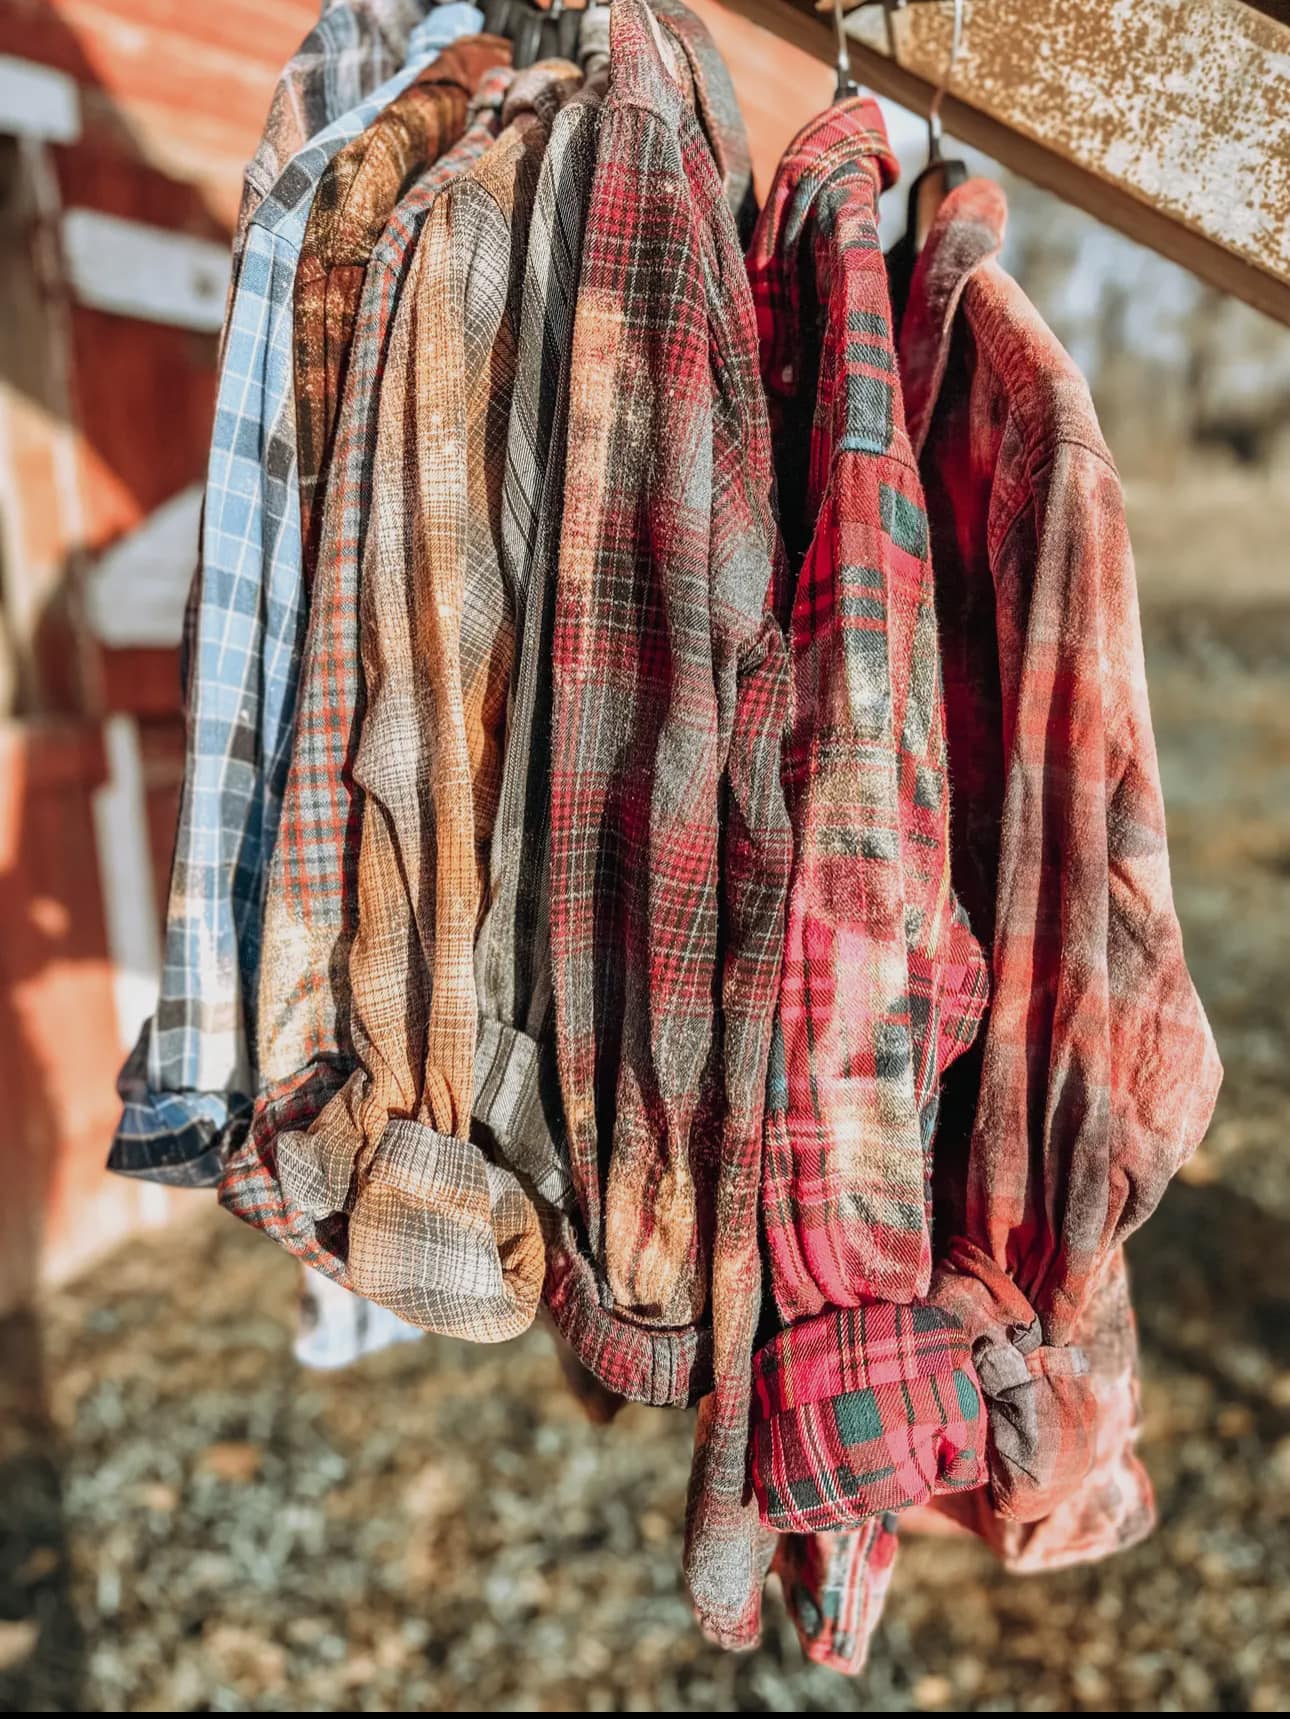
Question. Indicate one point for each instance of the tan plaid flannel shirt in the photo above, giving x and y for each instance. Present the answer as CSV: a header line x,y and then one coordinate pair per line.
x,y
436,1231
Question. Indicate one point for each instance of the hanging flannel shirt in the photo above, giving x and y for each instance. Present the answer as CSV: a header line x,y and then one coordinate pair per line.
x,y
355,46
427,1224
311,903
517,1098
865,1402
191,1076
669,840
1096,1074
355,198
831,1590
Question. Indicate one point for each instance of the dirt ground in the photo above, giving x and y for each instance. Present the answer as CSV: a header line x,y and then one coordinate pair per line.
x,y
191,1523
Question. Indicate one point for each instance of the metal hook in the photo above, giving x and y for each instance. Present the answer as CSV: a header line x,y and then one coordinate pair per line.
x,y
934,131
846,85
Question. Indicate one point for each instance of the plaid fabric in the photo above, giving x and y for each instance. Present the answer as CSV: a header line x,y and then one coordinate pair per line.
x,y
863,1410
433,1229
1113,1506
883,984
670,695
192,1074
835,1586
1096,1073
352,49
355,198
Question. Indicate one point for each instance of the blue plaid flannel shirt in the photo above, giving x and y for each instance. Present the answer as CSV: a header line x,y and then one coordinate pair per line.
x,y
189,1081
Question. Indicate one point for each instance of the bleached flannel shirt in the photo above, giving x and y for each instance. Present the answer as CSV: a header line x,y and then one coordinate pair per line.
x,y
192,1071
317,846
833,1589
883,983
355,198
1096,1074
864,1403
670,844
432,1228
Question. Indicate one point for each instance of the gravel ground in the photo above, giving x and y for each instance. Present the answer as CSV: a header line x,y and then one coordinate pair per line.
x,y
189,1522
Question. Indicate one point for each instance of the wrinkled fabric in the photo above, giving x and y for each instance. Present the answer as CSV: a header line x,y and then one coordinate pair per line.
x,y
355,198
188,1085
670,697
1113,1506
433,1228
1096,1074
311,903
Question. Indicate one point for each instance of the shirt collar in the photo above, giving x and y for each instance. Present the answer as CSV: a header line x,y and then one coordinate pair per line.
x,y
966,234
639,69
541,89
850,134
715,101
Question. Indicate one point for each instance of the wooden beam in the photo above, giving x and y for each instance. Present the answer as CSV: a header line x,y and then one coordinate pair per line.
x,y
1167,120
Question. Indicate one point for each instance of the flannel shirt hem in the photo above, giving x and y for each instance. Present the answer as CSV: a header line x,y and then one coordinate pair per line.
x,y
835,1588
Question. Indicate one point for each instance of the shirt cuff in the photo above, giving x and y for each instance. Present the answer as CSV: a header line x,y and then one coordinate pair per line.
x,y
1041,1403
835,1589
435,1232
180,1139
861,1410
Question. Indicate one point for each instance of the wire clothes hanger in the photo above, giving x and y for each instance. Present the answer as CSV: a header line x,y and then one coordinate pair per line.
x,y
938,178
846,84
537,34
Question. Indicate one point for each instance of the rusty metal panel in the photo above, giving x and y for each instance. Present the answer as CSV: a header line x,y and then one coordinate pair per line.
x,y
1166,119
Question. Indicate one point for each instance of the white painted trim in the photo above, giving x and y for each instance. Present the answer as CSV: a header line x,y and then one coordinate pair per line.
x,y
136,270
136,591
36,101
125,877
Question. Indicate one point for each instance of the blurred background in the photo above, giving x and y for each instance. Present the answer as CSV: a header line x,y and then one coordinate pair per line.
x,y
189,1521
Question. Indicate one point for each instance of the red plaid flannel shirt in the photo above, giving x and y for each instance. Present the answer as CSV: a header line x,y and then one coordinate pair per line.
x,y
1096,1073
670,844
883,983
864,1403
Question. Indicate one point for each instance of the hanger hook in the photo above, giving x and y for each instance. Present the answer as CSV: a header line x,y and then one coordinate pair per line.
x,y
846,85
938,94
